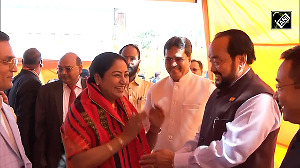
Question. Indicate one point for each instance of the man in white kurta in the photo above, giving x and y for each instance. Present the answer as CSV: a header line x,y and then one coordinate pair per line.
x,y
182,96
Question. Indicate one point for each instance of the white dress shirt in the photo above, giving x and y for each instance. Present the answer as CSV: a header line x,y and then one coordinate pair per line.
x,y
253,121
66,95
183,105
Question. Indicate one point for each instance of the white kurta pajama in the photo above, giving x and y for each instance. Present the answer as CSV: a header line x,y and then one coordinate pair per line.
x,y
183,103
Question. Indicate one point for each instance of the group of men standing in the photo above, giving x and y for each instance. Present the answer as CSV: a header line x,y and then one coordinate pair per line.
x,y
40,110
239,119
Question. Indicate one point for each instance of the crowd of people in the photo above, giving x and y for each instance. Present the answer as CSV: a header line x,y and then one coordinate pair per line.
x,y
109,117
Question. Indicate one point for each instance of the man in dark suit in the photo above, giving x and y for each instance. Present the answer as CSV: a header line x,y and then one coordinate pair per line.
x,y
23,94
51,107
288,94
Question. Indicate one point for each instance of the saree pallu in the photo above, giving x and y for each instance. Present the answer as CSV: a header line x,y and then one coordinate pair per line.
x,y
92,121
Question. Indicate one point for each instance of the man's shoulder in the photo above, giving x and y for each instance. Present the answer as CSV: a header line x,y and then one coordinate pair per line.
x,y
259,86
25,75
147,83
160,84
51,85
141,82
200,79
163,81
26,81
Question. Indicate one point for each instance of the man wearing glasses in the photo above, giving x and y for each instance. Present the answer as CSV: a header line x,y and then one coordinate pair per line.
x,y
12,153
288,94
22,96
182,96
52,104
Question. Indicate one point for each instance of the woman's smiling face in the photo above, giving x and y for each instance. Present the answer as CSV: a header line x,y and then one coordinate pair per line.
x,y
114,81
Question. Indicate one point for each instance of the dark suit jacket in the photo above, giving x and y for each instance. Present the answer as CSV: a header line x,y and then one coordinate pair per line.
x,y
22,98
48,120
292,159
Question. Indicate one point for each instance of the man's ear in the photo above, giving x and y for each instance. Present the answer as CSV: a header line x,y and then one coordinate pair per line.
x,y
41,63
80,69
242,59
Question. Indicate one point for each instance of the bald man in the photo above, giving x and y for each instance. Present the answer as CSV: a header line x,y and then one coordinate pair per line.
x,y
23,94
51,107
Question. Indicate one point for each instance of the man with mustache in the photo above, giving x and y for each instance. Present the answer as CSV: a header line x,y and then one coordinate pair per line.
x,y
182,96
241,119
52,105
288,94
137,88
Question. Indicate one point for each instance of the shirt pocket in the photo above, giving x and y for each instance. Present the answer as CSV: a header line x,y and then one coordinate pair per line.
x,y
191,117
141,103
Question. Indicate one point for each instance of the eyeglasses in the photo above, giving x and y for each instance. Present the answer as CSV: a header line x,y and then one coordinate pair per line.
x,y
11,62
67,68
194,69
279,88
176,59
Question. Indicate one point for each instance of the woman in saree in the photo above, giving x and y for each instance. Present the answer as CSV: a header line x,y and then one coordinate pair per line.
x,y
102,129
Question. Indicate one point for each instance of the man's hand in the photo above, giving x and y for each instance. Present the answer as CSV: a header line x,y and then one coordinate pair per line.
x,y
156,117
4,97
163,158
133,126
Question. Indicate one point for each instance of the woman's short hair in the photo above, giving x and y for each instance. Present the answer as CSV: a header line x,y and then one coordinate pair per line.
x,y
103,63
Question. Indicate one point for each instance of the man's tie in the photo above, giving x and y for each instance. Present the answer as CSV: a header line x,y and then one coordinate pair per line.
x,y
72,94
